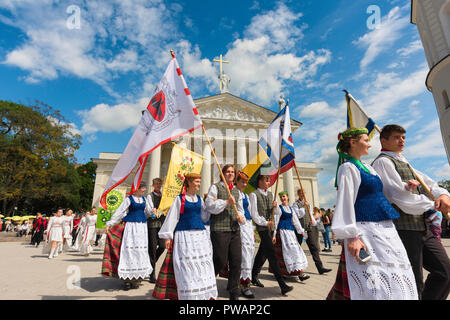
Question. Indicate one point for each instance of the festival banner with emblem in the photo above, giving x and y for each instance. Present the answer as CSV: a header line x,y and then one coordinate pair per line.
x,y
182,161
113,201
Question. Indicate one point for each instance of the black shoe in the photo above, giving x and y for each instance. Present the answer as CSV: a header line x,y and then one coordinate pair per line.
x,y
304,277
329,250
324,270
135,285
247,293
234,296
127,286
256,282
324,250
152,278
285,289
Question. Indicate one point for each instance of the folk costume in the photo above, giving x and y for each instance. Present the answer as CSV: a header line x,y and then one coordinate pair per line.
x,y
67,231
261,204
225,234
126,250
423,248
155,244
363,212
191,252
89,234
291,258
38,231
80,232
54,232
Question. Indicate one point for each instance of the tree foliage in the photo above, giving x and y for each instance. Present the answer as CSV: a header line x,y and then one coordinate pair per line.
x,y
445,184
37,159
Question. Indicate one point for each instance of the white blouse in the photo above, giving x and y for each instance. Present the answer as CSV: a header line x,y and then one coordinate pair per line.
x,y
173,216
295,221
395,191
122,211
344,220
300,212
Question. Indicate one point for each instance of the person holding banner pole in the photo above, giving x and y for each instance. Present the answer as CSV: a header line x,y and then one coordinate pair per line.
x,y
128,240
225,228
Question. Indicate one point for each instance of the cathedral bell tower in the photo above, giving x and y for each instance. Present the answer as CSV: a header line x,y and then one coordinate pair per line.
x,y
432,18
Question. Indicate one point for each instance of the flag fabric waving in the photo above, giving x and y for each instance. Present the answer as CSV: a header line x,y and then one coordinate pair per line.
x,y
357,117
170,113
277,140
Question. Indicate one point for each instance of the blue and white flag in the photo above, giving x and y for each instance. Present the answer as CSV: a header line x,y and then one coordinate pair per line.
x,y
357,117
278,140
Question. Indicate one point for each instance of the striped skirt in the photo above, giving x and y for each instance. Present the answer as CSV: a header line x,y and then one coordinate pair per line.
x,y
166,286
280,257
111,255
340,289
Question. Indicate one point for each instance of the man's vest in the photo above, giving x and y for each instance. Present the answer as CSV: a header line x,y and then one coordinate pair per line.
x,y
406,221
306,219
265,205
226,220
157,222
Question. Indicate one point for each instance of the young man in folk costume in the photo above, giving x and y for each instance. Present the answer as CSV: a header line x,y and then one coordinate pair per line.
x,y
225,229
291,258
402,189
188,270
261,204
38,230
309,225
126,251
155,244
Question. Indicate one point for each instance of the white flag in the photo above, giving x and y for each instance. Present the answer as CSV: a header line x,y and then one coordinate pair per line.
x,y
171,113
357,117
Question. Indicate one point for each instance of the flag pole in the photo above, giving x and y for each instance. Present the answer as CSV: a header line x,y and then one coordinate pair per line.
x,y
272,218
303,192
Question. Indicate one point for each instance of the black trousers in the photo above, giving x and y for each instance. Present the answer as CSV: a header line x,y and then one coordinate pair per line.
x,y
425,251
313,245
227,249
267,251
156,246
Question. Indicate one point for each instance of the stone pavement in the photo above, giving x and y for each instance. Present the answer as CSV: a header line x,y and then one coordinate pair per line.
x,y
26,273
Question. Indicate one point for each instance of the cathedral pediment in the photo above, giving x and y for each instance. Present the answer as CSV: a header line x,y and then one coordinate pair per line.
x,y
229,108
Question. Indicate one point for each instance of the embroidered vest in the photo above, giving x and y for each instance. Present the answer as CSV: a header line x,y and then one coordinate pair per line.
x,y
245,204
406,221
306,219
265,206
226,220
285,220
191,219
371,204
135,211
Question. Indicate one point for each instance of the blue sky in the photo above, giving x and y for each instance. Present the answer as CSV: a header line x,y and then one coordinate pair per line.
x,y
101,75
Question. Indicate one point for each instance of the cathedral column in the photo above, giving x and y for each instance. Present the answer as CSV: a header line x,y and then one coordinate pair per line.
x,y
155,166
288,183
241,153
206,169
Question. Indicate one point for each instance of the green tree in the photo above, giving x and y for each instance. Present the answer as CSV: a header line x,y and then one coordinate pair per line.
x,y
445,184
87,178
37,150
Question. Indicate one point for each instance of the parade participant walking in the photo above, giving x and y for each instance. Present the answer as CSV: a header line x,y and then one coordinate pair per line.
x,y
38,230
76,226
185,235
126,251
54,234
399,186
261,204
225,230
156,245
363,218
247,238
89,233
67,229
81,226
309,225
291,258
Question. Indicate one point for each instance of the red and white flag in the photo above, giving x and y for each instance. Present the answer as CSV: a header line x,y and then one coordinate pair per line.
x,y
171,113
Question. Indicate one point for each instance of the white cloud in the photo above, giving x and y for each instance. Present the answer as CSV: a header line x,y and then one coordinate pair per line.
x,y
411,48
382,38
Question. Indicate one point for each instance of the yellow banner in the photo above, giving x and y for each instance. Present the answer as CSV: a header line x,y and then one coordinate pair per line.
x,y
182,161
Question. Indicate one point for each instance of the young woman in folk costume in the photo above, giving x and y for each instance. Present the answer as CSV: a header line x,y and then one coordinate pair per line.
x,y
291,258
67,230
81,227
89,234
38,230
126,250
363,218
53,234
189,250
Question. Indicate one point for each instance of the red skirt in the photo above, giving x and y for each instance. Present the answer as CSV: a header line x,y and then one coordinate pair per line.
x,y
340,289
280,259
111,255
166,286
